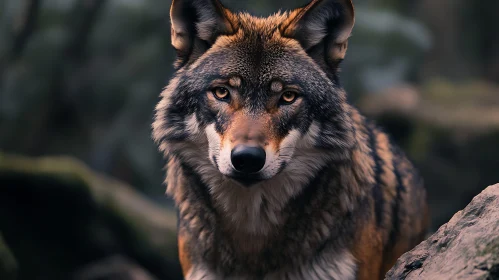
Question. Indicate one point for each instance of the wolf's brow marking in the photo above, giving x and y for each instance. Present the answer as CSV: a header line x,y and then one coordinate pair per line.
x,y
276,86
235,81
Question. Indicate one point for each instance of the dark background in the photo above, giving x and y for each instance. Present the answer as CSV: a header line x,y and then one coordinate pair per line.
x,y
80,78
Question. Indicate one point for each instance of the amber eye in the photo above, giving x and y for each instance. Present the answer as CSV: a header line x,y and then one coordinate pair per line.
x,y
288,97
221,93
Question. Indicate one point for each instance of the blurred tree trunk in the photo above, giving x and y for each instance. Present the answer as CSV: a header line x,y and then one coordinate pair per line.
x,y
83,19
59,110
480,23
442,18
21,30
465,41
24,26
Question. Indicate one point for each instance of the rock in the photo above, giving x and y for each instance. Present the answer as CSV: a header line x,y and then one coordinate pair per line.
x,y
57,216
113,268
467,247
8,264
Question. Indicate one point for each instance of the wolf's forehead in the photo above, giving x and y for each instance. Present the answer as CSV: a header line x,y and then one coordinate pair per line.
x,y
258,65
259,56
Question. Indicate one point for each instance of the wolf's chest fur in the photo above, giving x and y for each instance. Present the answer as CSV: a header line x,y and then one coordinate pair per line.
x,y
305,241
341,265
274,174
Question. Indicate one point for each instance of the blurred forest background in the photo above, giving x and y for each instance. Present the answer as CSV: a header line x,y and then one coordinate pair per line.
x,y
80,79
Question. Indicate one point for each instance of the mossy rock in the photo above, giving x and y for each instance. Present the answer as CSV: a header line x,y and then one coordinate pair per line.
x,y
57,216
8,264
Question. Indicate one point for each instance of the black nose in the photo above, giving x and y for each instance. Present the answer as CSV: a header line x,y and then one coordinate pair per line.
x,y
247,159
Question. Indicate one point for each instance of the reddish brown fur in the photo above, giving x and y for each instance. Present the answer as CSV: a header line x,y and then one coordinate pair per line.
x,y
183,253
368,249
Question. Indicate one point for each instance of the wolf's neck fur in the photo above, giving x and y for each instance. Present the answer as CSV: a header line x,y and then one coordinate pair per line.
x,y
296,212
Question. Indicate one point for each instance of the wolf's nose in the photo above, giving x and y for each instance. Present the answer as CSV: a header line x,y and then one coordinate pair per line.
x,y
247,159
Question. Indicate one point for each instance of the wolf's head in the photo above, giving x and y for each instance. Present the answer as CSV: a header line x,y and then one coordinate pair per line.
x,y
256,98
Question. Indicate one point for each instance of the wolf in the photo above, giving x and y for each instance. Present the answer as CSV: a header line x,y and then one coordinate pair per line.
x,y
274,173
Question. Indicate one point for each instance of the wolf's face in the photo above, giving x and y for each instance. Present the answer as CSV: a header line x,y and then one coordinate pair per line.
x,y
256,97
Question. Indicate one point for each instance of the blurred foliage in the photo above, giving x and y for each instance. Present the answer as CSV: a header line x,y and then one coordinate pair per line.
x,y
88,75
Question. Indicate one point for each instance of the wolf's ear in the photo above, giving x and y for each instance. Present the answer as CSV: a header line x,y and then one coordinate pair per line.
x,y
196,24
322,27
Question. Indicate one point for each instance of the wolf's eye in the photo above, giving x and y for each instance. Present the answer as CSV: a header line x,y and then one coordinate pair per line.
x,y
221,93
288,97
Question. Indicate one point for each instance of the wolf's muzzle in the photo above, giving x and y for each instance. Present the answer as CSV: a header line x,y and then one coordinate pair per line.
x,y
247,159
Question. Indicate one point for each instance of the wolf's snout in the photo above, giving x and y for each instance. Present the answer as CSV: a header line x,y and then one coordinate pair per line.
x,y
247,159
